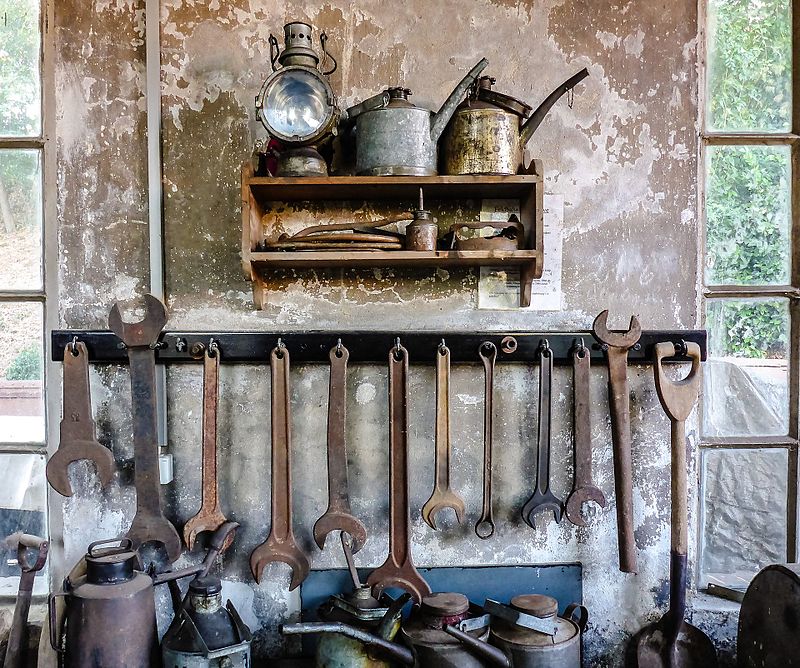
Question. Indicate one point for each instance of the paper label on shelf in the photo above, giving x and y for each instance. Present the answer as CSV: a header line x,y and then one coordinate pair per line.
x,y
498,287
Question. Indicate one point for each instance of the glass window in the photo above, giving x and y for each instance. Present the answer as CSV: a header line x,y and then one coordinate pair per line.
x,y
20,46
20,219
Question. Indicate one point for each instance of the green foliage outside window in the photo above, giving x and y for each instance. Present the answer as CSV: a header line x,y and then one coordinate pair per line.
x,y
27,365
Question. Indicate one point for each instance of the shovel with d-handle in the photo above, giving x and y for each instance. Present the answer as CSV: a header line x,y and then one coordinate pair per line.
x,y
671,641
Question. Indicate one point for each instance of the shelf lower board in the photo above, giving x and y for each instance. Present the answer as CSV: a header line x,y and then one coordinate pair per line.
x,y
310,259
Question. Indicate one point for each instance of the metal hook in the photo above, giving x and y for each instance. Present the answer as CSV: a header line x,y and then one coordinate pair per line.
x,y
338,346
74,346
397,345
213,347
274,51
544,348
323,38
281,344
442,347
681,349
581,348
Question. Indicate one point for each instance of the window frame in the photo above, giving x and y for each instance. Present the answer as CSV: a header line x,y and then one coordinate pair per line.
x,y
790,291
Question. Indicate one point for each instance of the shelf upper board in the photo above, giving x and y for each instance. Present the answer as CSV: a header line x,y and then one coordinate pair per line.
x,y
285,189
288,259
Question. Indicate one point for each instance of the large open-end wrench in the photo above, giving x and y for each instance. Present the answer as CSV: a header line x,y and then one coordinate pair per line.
x,y
140,338
616,346
443,496
78,437
210,516
543,497
398,570
281,544
338,516
488,354
583,488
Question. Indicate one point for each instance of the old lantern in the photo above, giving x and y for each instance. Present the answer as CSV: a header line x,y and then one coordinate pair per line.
x,y
296,103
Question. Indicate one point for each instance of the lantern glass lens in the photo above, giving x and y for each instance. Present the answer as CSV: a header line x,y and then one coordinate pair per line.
x,y
296,104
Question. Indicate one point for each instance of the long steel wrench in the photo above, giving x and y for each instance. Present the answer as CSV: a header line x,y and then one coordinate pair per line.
x,y
149,523
281,544
78,437
338,516
443,495
488,354
398,570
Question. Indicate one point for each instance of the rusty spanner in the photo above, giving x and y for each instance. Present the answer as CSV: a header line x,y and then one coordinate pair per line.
x,y
281,544
140,338
17,647
210,516
543,497
583,489
443,496
488,354
338,515
398,570
78,437
616,346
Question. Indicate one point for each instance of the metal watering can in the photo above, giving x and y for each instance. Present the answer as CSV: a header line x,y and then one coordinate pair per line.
x,y
488,132
396,138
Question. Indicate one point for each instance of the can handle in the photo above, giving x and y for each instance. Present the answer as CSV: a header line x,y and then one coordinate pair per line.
x,y
125,544
577,613
55,642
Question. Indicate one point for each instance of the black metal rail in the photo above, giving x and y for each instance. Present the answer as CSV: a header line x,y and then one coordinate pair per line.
x,y
364,347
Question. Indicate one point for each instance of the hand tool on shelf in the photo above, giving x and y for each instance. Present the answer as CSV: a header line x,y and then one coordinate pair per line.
x,y
615,346
443,495
583,488
543,497
338,516
78,439
17,647
140,338
487,351
281,544
671,641
210,516
332,236
398,570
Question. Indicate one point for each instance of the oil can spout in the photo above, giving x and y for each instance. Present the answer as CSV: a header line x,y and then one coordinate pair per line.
x,y
397,652
489,653
442,117
533,123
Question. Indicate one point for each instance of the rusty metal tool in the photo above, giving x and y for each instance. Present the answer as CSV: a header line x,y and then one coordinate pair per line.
x,y
398,570
672,641
443,496
543,497
281,544
78,439
338,516
141,338
17,648
616,346
583,488
488,354
210,516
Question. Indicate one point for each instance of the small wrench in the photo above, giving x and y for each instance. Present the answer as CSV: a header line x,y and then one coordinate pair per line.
x,y
443,496
398,570
149,523
583,489
281,544
543,498
210,516
338,516
616,346
78,437
488,354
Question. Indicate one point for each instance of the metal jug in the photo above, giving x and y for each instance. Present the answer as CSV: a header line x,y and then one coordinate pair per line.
x,y
396,138
488,132
204,634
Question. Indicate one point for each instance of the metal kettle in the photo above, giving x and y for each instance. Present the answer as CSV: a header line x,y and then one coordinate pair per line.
x,y
488,132
396,138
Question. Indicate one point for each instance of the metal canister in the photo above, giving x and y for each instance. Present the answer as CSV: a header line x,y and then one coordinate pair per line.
x,y
110,612
528,648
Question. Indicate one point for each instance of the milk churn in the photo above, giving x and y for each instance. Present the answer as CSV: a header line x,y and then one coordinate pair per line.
x,y
204,634
110,612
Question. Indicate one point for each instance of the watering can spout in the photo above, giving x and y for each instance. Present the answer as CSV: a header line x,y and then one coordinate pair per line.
x,y
533,123
442,117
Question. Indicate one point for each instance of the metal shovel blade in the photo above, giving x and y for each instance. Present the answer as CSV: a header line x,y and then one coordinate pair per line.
x,y
653,647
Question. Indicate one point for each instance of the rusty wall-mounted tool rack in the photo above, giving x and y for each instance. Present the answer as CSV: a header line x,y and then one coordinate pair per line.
x,y
364,347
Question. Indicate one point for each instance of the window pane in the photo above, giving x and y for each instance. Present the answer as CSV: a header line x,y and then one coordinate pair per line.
x,y
23,496
20,220
744,514
749,65
20,107
747,215
745,381
21,365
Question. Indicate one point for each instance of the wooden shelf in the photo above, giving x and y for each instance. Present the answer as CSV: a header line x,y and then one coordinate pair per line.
x,y
259,192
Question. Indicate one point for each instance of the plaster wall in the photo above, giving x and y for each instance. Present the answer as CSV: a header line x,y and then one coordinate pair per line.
x,y
624,157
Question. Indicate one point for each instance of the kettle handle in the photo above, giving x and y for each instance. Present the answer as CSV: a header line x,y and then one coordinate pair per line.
x,y
52,621
578,614
125,544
